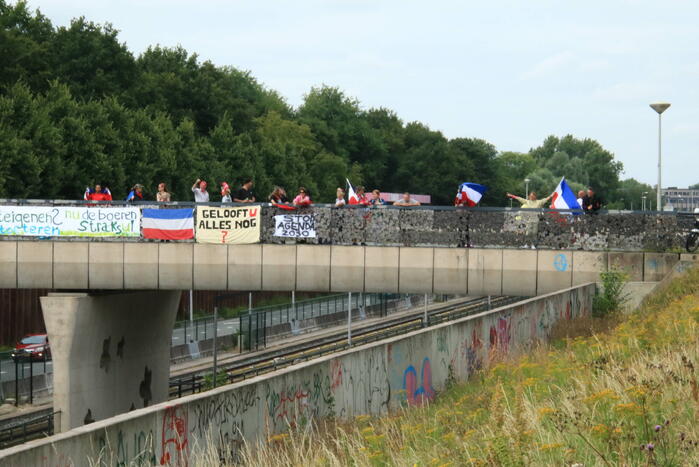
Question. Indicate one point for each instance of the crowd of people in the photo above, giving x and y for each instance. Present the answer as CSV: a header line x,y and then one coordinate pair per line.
x,y
244,194
588,200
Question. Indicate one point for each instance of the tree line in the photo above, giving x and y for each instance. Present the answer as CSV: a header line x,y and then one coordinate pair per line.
x,y
78,108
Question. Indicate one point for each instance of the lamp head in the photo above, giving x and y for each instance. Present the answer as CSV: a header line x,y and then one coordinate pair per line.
x,y
660,107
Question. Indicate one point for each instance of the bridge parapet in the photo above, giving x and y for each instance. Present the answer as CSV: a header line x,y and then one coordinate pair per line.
x,y
441,227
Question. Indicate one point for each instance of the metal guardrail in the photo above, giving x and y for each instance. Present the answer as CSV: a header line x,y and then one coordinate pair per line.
x,y
21,429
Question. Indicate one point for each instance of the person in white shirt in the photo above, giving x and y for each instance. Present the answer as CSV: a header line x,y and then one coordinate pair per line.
x,y
340,198
226,193
200,193
581,196
406,201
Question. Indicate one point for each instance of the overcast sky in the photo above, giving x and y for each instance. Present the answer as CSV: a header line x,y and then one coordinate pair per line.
x,y
511,71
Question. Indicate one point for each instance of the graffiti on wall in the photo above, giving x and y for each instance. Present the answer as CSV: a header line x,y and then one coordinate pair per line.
x,y
295,405
174,444
222,419
418,394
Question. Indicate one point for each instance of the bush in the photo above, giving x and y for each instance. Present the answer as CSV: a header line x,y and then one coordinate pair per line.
x,y
612,297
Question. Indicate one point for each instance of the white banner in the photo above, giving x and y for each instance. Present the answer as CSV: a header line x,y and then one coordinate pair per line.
x,y
295,226
49,221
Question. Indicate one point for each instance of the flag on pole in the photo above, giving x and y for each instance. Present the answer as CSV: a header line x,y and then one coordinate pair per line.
x,y
352,197
564,198
167,224
470,194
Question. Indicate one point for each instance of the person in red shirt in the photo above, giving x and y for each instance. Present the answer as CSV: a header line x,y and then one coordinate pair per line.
x,y
97,194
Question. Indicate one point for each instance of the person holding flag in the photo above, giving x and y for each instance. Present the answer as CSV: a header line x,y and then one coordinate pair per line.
x,y
469,194
136,193
531,220
531,202
564,198
98,194
358,198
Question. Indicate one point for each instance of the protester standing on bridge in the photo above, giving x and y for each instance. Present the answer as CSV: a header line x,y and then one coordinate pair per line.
x,y
244,193
340,198
302,199
406,201
592,203
531,220
98,194
360,197
278,196
531,202
136,193
581,197
200,193
226,193
376,199
162,196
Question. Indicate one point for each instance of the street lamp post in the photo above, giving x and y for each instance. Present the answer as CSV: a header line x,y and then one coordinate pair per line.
x,y
526,187
659,107
643,203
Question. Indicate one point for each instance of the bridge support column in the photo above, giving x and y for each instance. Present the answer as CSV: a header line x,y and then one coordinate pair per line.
x,y
111,352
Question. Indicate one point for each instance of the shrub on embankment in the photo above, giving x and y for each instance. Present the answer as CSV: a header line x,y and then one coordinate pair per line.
x,y
628,396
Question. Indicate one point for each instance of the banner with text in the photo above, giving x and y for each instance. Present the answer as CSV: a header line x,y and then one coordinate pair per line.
x,y
228,225
48,221
295,226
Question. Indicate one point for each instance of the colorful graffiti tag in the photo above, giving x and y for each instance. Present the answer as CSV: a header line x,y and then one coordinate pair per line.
x,y
418,394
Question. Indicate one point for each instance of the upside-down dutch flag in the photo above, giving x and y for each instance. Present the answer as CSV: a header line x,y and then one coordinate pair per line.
x,y
352,197
564,198
470,193
167,224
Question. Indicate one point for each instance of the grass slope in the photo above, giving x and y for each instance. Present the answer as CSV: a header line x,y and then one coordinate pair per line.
x,y
625,397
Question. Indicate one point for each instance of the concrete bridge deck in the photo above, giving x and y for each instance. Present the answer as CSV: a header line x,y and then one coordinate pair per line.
x,y
334,268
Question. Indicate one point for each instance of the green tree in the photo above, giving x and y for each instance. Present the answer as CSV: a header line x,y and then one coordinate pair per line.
x,y
25,40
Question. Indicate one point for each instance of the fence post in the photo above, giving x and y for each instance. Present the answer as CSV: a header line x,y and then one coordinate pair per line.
x,y
191,305
17,381
31,381
424,320
249,302
489,302
349,320
215,349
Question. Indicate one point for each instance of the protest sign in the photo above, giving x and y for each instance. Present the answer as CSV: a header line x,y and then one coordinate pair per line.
x,y
49,221
228,225
295,226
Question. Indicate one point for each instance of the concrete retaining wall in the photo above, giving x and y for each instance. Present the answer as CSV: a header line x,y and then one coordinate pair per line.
x,y
375,378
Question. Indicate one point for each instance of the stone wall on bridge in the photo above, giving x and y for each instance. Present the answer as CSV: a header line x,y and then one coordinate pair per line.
x,y
371,379
450,227
488,228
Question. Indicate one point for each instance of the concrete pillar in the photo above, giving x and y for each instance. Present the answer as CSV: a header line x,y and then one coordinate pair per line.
x,y
111,352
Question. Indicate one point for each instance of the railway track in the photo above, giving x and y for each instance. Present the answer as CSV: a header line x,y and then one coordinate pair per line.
x,y
265,361
26,427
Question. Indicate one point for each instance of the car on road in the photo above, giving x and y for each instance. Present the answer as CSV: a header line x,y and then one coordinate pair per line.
x,y
34,347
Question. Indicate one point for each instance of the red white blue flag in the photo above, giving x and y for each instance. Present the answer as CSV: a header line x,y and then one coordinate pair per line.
x,y
470,194
564,198
167,224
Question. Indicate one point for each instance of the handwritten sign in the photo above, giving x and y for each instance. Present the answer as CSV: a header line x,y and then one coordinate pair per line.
x,y
295,226
47,221
228,225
